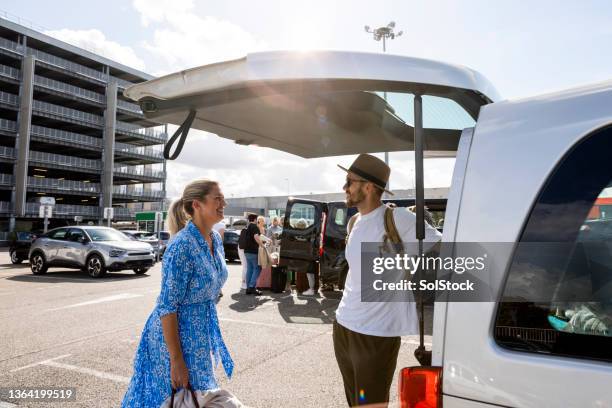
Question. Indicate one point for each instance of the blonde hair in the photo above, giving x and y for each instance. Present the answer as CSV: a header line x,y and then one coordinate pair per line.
x,y
181,210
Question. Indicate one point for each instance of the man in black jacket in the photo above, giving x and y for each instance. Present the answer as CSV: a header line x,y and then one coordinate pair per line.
x,y
251,249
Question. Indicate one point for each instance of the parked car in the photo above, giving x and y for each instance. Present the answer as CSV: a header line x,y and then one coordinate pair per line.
x,y
230,244
19,245
525,171
164,238
95,250
145,236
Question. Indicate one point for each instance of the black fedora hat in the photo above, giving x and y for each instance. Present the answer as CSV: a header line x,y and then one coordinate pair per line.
x,y
372,169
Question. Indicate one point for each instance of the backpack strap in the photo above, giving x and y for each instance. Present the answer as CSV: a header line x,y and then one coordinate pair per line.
x,y
391,233
350,225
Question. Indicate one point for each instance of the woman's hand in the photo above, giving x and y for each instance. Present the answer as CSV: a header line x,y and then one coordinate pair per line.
x,y
179,374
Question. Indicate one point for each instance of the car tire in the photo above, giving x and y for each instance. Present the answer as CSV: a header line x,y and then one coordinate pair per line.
x,y
140,271
95,266
15,259
38,264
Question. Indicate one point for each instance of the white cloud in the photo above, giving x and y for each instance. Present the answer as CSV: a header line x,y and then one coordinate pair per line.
x,y
182,39
95,41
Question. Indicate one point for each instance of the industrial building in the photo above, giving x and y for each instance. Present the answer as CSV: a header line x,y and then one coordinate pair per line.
x,y
67,132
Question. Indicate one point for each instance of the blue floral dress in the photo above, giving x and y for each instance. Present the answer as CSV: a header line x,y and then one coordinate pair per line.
x,y
191,280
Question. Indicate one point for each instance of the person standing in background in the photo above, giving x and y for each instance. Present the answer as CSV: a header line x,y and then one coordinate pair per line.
x,y
243,261
251,251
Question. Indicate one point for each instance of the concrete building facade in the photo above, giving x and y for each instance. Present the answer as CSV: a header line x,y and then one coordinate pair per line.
x,y
67,131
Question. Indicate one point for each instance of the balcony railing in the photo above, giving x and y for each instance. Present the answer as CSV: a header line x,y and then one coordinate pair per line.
x,y
122,212
135,171
68,113
9,72
65,210
9,98
121,82
9,45
150,206
138,150
138,192
6,207
60,160
8,125
68,89
66,185
68,137
7,152
129,106
7,180
139,131
68,65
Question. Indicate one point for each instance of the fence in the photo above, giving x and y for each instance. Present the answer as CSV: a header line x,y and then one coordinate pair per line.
x,y
58,159
68,65
66,136
68,185
69,89
68,112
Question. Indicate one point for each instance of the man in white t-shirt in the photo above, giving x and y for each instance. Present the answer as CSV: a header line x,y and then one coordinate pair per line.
x,y
220,228
367,334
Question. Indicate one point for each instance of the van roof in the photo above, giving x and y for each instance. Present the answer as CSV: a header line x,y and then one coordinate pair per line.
x,y
313,104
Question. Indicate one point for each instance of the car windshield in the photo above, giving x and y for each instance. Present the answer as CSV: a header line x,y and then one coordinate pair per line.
x,y
103,234
144,235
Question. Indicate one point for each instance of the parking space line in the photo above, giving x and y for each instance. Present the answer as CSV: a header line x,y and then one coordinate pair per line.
x,y
89,371
4,404
113,298
52,362
274,325
39,363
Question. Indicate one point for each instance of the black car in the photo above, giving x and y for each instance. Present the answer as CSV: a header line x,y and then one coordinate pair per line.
x,y
19,245
230,244
307,221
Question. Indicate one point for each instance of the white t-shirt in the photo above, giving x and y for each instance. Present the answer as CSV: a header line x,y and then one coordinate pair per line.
x,y
385,319
219,226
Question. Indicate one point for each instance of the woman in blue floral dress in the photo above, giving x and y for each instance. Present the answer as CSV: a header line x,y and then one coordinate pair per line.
x,y
182,336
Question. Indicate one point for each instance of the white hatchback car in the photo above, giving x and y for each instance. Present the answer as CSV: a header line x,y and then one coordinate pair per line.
x,y
533,170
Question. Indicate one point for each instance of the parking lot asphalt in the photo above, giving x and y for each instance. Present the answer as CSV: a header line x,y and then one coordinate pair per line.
x,y
65,329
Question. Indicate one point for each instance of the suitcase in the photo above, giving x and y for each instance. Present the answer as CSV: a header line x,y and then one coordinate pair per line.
x,y
301,281
264,279
279,280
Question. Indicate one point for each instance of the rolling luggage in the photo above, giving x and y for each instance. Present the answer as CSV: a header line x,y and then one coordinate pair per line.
x,y
279,280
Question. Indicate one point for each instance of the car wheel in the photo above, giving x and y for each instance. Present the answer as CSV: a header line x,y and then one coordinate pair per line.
x,y
140,271
38,265
95,266
15,259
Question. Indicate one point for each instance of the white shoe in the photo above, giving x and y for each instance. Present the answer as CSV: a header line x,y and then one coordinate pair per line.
x,y
308,292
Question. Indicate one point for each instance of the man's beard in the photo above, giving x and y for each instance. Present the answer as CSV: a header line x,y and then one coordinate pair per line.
x,y
353,199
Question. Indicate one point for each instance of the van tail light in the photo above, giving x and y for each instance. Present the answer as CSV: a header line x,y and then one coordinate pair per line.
x,y
420,387
322,237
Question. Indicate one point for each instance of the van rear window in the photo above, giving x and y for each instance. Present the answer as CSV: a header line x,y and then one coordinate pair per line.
x,y
302,216
572,209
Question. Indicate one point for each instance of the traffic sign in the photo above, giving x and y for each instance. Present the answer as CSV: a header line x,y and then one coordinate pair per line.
x,y
109,213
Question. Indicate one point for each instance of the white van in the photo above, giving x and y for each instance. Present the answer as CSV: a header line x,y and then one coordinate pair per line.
x,y
533,170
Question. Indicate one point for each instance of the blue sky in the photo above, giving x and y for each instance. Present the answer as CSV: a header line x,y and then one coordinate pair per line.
x,y
524,48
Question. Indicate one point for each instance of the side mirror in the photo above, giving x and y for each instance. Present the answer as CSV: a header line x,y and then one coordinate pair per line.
x,y
83,240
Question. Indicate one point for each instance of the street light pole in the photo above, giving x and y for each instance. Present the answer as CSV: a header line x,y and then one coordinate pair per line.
x,y
382,33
